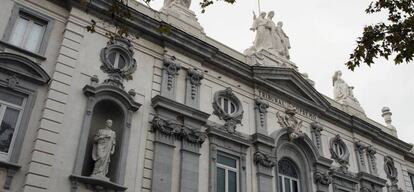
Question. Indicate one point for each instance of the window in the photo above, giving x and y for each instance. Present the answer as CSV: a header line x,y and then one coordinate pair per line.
x,y
288,176
28,32
227,105
412,181
229,108
339,149
11,108
117,60
227,174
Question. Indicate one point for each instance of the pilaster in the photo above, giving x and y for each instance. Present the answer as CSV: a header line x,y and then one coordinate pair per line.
x,y
51,122
264,161
189,166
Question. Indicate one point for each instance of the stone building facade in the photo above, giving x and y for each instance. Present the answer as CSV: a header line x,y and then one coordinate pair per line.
x,y
189,113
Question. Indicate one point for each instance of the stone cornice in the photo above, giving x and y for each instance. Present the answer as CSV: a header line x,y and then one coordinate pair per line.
x,y
239,139
371,178
179,108
148,28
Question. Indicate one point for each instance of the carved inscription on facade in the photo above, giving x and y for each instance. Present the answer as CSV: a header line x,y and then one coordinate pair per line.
x,y
276,100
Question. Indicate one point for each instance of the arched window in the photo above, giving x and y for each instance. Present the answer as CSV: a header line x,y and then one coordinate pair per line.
x,y
288,176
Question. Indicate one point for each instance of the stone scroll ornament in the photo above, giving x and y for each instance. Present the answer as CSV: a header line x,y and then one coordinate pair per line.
x,y
291,123
117,61
103,148
231,119
339,152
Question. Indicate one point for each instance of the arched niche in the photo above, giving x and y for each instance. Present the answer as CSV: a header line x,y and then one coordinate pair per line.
x,y
105,102
100,114
305,156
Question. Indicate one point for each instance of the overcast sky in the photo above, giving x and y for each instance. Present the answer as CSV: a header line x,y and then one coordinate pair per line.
x,y
322,35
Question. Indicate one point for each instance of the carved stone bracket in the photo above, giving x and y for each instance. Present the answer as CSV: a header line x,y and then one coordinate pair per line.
x,y
291,123
194,77
263,159
231,119
174,129
261,115
372,160
11,169
169,78
316,134
360,151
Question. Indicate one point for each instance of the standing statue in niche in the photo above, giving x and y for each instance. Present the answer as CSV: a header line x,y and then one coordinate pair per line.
x,y
183,3
103,148
269,37
343,93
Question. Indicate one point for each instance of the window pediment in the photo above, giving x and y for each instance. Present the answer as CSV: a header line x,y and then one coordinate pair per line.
x,y
23,67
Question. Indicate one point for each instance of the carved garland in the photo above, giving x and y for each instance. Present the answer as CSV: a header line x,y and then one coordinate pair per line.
x,y
342,158
231,119
171,128
263,159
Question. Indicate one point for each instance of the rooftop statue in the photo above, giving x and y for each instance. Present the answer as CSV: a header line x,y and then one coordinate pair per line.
x,y
269,36
343,93
284,40
183,3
